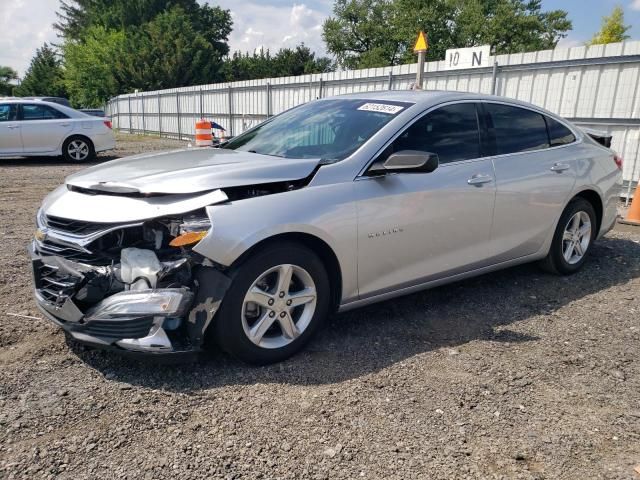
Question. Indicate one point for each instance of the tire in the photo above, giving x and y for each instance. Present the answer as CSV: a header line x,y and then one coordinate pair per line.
x,y
557,261
78,149
237,328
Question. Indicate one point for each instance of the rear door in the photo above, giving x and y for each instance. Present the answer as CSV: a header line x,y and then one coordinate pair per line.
x,y
417,227
10,138
535,174
44,128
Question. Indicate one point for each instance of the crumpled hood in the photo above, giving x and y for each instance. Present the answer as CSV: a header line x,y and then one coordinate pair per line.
x,y
190,171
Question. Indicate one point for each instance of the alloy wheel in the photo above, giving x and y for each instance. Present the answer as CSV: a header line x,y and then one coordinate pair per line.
x,y
576,237
279,306
78,150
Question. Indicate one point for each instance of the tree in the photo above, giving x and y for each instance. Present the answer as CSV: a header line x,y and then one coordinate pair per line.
x,y
44,76
92,66
116,46
76,16
374,33
7,75
286,62
170,52
361,33
613,29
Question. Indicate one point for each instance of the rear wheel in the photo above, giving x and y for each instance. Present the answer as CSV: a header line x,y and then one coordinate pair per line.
x,y
277,300
78,149
572,239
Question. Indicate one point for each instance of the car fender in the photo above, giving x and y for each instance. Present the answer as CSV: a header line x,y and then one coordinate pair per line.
x,y
591,174
326,212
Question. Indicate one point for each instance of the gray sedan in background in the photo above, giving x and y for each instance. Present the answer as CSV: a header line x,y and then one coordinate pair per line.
x,y
331,205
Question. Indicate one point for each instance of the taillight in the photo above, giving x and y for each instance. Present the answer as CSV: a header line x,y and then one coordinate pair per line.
x,y
618,160
107,123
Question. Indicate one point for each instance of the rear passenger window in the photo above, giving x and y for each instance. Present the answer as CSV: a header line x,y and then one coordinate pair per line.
x,y
558,133
515,129
7,112
40,112
451,132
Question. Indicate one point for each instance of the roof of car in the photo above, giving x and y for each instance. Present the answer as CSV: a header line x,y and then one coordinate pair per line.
x,y
426,98
63,108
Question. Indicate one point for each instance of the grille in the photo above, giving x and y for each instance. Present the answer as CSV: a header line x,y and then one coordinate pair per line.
x,y
92,258
132,328
52,285
76,227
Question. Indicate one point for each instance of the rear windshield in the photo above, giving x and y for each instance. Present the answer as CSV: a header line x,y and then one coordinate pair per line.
x,y
328,129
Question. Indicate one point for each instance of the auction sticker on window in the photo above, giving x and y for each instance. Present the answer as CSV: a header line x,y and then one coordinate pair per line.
x,y
381,108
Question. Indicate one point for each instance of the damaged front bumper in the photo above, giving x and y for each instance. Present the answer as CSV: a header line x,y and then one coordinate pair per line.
x,y
155,321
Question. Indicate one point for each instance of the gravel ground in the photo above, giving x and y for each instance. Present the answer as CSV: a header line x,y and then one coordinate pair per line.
x,y
517,374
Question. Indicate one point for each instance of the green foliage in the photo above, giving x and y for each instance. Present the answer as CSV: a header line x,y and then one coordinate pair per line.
x,y
93,66
7,75
170,52
44,76
286,62
118,46
374,33
613,29
77,16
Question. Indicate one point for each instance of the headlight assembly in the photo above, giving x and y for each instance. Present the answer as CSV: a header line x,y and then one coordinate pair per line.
x,y
191,231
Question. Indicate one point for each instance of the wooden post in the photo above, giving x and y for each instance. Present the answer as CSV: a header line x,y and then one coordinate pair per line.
x,y
421,47
420,72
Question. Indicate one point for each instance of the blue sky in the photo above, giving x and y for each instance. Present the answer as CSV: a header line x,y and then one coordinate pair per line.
x,y
586,16
26,24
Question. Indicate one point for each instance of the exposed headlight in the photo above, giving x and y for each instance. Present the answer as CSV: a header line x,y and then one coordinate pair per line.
x,y
169,302
191,231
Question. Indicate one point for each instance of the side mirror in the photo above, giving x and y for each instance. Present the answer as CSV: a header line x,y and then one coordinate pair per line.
x,y
407,161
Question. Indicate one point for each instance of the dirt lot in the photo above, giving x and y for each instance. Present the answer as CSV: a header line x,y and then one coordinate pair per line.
x,y
516,374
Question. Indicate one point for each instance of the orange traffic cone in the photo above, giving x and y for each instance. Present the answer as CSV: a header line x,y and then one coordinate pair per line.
x,y
633,215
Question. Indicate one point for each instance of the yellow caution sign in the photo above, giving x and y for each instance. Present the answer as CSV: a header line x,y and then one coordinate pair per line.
x,y
421,43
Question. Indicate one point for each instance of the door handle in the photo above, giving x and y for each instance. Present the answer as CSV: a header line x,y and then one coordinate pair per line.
x,y
64,124
479,180
13,126
560,167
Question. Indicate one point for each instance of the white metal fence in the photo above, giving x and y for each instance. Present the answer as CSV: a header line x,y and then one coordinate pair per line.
x,y
593,86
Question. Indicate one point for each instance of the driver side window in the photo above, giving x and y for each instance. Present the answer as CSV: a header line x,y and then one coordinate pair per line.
x,y
451,132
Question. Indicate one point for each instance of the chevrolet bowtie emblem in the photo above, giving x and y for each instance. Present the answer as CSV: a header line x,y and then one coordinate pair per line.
x,y
40,235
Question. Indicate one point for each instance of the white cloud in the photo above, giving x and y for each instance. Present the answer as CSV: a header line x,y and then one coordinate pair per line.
x,y
635,5
25,26
569,43
256,25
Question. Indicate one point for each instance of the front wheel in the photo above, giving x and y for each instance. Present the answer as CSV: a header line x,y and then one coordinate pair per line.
x,y
277,300
572,239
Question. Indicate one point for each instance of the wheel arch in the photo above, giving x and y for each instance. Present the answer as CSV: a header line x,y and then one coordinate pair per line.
x,y
77,135
314,243
594,198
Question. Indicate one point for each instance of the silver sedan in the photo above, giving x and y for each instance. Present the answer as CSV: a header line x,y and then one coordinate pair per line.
x,y
331,205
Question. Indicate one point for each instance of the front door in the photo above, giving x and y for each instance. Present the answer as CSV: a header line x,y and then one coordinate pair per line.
x,y
417,227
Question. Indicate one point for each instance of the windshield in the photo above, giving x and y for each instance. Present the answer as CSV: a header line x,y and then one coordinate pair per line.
x,y
328,129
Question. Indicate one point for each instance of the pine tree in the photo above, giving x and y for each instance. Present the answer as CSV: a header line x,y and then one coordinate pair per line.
x,y
44,76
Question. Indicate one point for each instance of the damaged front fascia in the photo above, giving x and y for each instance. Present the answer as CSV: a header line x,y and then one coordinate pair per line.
x,y
208,279
207,301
